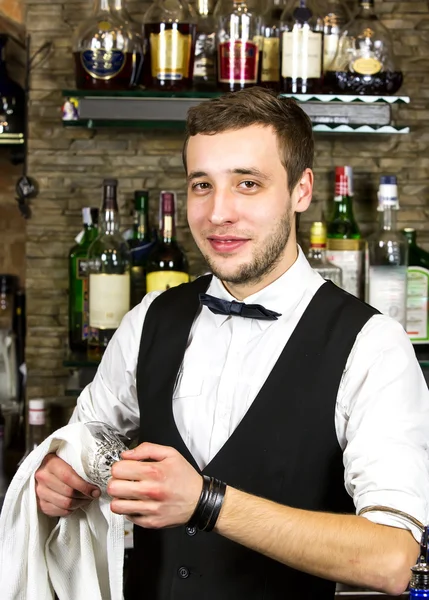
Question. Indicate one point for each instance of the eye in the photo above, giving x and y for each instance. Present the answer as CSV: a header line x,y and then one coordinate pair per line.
x,y
249,185
201,186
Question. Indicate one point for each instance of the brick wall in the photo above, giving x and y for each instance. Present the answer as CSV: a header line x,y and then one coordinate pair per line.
x,y
69,165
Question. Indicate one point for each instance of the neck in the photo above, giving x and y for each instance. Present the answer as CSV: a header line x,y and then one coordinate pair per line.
x,y
101,5
110,222
388,219
286,260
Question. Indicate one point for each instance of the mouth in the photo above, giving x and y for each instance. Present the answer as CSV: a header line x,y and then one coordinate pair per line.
x,y
226,244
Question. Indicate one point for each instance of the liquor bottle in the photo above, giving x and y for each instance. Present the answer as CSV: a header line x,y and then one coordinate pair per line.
x,y
106,51
140,244
417,292
270,60
302,48
419,583
205,47
3,476
12,97
336,16
344,238
317,254
36,426
238,45
78,282
170,31
366,62
167,265
119,9
387,257
109,275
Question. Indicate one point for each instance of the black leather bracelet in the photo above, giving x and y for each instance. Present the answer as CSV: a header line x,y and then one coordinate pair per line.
x,y
220,495
196,515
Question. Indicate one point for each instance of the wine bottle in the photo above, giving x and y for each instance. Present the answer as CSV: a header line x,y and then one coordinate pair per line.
x,y
170,32
109,275
344,238
388,257
140,244
365,59
270,61
167,265
78,282
417,293
205,47
302,48
238,42
106,51
317,255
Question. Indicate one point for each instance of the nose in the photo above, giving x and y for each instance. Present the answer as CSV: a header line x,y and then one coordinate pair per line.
x,y
223,210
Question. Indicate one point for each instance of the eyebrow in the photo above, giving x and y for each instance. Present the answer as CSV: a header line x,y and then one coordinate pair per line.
x,y
239,171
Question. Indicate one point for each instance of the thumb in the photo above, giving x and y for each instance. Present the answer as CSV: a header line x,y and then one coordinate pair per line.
x,y
148,451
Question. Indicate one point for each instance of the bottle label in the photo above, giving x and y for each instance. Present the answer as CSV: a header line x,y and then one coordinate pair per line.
x,y
417,305
330,46
302,54
103,64
159,281
238,62
109,300
366,66
36,416
170,54
82,268
271,60
205,53
388,291
347,255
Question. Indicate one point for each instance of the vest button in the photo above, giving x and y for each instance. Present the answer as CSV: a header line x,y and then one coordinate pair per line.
x,y
183,572
191,530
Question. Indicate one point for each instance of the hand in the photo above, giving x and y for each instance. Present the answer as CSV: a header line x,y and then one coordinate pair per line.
x,y
160,493
59,489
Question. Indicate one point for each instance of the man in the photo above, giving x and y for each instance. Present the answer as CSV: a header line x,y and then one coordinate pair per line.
x,y
283,411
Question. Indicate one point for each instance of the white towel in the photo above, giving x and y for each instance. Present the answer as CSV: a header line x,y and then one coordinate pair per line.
x,y
79,557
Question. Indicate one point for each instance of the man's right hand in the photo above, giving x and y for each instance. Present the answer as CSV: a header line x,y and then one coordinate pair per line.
x,y
60,490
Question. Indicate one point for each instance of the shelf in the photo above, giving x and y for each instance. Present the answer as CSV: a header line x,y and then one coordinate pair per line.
x,y
145,109
11,139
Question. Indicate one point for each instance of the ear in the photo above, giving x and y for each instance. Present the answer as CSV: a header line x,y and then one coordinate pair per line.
x,y
303,192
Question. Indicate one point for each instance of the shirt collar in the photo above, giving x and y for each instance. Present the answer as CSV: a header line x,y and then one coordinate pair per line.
x,y
282,296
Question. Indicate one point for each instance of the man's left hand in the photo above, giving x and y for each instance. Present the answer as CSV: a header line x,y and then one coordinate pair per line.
x,y
154,486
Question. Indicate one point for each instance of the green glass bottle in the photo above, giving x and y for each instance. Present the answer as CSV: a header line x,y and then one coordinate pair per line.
x,y
140,245
417,292
344,239
78,281
167,265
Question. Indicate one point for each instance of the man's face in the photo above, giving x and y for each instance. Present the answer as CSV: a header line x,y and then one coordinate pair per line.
x,y
239,206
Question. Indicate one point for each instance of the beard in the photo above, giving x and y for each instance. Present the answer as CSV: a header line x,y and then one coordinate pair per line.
x,y
264,259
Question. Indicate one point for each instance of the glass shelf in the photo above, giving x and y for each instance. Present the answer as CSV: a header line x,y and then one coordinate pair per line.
x,y
146,109
11,139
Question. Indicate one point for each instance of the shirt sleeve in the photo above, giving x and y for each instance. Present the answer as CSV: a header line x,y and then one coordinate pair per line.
x,y
112,395
383,426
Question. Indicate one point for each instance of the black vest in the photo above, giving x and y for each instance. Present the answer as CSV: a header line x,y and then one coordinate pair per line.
x,y
285,449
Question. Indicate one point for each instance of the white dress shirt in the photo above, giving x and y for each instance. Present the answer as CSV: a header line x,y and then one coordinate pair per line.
x,y
382,407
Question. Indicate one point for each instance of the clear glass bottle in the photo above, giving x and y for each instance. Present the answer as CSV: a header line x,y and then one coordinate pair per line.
x,y
109,275
417,293
365,60
78,282
335,17
205,76
387,257
141,244
167,265
238,43
317,255
344,238
106,51
270,60
170,33
119,9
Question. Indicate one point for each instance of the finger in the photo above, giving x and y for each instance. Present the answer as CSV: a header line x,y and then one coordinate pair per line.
x,y
148,451
134,507
64,503
70,478
56,473
135,470
52,483
131,490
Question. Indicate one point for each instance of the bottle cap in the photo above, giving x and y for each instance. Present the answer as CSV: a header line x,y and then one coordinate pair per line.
x,y
167,203
343,181
388,193
36,412
37,404
318,235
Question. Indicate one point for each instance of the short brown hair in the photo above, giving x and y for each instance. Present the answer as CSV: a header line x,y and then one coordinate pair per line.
x,y
258,106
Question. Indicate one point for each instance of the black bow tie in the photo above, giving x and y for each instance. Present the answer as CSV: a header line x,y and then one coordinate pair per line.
x,y
239,309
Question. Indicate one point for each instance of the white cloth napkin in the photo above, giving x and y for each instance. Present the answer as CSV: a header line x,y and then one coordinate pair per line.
x,y
78,557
